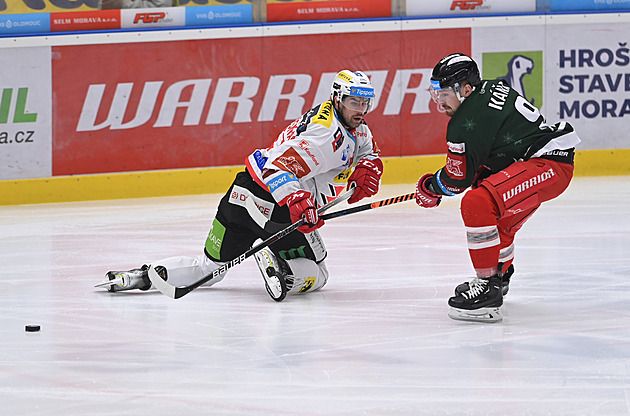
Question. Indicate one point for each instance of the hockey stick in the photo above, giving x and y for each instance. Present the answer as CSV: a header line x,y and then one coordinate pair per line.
x,y
273,227
377,204
177,292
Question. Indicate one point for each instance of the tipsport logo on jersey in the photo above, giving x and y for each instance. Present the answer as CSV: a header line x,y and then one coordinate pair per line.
x,y
523,71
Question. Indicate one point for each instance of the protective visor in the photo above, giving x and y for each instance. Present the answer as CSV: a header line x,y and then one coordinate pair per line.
x,y
359,99
439,94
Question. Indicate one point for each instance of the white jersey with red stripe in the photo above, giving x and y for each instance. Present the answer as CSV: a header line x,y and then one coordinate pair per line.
x,y
315,153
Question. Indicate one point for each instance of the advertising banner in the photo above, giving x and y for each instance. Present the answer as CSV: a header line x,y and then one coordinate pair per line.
x,y
131,18
49,6
574,73
515,54
24,23
95,20
25,113
467,7
588,80
146,18
46,6
189,3
200,103
281,11
223,15
583,5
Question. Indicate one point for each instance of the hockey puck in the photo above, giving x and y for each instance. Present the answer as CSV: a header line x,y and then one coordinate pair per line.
x,y
32,328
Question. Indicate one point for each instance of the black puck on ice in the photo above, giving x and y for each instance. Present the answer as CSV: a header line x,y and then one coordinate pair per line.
x,y
32,328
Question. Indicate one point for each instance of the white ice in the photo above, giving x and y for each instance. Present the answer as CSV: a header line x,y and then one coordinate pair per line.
x,y
375,341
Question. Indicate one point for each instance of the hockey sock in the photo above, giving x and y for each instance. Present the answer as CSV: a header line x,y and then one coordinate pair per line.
x,y
480,213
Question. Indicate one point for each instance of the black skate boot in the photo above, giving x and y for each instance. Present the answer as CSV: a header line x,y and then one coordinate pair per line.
x,y
480,303
131,279
274,271
505,282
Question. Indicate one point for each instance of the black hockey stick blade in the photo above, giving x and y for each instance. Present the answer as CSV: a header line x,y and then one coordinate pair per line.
x,y
177,292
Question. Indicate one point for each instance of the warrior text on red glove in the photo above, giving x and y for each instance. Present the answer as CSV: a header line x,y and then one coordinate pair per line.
x,y
424,196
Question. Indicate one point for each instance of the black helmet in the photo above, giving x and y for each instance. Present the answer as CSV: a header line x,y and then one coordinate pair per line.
x,y
455,70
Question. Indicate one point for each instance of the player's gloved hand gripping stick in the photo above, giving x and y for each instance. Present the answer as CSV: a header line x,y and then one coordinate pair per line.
x,y
176,292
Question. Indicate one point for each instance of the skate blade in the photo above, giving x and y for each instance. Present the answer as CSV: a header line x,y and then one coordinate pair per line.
x,y
487,315
106,283
276,287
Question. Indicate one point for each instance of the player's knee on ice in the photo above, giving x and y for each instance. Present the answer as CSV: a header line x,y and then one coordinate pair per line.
x,y
306,275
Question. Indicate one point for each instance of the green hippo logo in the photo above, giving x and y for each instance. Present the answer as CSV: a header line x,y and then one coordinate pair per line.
x,y
523,71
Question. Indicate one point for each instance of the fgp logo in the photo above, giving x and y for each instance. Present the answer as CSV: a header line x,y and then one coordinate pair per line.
x,y
149,17
466,4
523,71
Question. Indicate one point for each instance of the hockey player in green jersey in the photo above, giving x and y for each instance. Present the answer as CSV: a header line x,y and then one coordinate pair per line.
x,y
500,147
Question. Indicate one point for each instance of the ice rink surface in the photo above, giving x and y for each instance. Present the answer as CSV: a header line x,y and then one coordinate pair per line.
x,y
375,341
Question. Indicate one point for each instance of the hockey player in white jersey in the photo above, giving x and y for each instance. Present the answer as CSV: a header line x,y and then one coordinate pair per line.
x,y
309,165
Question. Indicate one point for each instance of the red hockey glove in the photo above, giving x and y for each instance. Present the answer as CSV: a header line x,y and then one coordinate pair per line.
x,y
424,197
301,206
367,177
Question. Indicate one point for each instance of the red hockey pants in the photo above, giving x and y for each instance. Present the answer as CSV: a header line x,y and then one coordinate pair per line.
x,y
495,210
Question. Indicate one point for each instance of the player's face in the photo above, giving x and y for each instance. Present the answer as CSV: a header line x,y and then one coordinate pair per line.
x,y
352,109
446,100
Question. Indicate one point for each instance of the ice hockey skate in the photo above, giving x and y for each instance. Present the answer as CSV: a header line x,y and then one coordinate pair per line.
x,y
505,282
480,303
118,281
272,273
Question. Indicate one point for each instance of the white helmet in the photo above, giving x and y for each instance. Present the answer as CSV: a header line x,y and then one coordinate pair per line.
x,y
352,83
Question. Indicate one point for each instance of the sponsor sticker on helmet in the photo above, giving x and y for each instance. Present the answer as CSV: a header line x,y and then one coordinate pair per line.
x,y
436,84
344,77
362,92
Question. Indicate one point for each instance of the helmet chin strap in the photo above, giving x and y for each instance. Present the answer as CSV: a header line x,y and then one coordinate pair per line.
x,y
457,90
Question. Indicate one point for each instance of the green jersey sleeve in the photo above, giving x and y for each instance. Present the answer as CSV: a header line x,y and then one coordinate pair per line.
x,y
492,128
